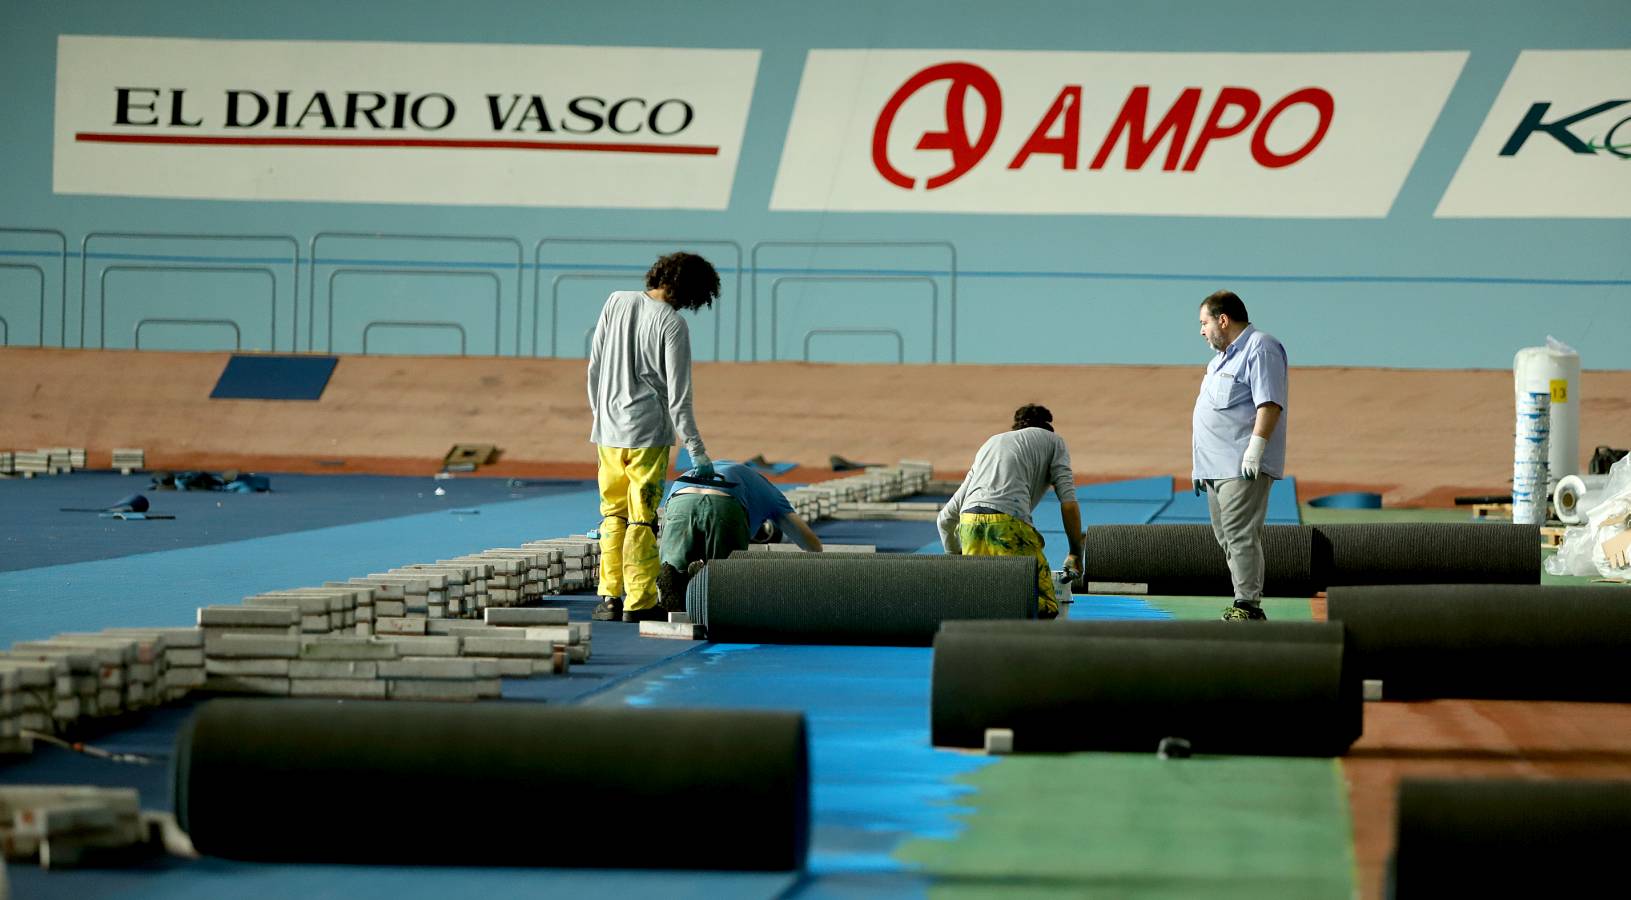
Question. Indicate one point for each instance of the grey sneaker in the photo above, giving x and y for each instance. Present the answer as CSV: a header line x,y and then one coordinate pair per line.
x,y
609,610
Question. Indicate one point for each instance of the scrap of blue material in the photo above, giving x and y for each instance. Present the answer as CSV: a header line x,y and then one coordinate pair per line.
x,y
262,376
682,463
1351,500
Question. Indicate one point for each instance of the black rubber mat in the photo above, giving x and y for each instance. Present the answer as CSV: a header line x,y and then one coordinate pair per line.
x,y
1510,838
477,784
856,601
1227,690
1489,641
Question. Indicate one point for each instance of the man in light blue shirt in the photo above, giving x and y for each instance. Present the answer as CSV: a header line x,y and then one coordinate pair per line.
x,y
1239,441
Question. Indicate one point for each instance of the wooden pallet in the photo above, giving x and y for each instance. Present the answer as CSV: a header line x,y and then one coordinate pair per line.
x,y
1551,535
1492,510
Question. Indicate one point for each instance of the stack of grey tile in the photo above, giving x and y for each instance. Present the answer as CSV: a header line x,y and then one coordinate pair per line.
x,y
145,662
506,575
129,459
528,579
63,826
466,584
182,657
580,561
124,670
329,609
85,674
441,678
247,648
29,695
544,648
384,600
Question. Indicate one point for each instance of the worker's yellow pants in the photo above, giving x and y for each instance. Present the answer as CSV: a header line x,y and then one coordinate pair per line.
x,y
997,534
631,489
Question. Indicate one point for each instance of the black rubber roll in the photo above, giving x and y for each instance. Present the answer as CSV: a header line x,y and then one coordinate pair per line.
x,y
1508,838
1186,559
510,784
1077,690
856,601
1432,553
1489,641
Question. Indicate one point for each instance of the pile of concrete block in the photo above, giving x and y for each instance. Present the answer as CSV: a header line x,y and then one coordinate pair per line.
x,y
911,512
330,609
178,655
878,485
459,666
129,459
63,826
29,463
580,558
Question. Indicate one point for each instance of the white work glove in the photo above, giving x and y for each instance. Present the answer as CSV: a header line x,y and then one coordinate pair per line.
x,y
703,466
1073,567
1252,462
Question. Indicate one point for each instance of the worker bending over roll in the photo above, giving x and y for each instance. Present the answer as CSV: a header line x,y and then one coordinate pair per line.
x,y
710,516
990,514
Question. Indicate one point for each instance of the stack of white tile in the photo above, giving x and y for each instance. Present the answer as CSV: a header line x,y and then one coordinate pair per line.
x,y
29,463
8,462
128,459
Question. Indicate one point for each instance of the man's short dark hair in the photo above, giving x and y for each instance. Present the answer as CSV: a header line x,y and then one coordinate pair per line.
x,y
689,281
1226,303
1032,416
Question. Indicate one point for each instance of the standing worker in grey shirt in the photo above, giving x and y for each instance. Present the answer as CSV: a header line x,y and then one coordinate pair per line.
x,y
1239,441
990,514
639,396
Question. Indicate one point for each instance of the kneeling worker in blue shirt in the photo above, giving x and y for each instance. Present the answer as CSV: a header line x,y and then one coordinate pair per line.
x,y
1239,441
709,518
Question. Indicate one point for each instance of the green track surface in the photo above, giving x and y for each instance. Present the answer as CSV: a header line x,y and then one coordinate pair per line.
x,y
1134,825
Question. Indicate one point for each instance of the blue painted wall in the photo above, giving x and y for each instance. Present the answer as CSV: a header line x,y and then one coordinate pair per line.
x,y
1407,290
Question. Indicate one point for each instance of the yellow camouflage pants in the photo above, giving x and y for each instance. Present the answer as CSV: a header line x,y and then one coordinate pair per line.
x,y
631,488
998,534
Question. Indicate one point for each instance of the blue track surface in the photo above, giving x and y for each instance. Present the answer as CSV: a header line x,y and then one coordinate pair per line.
x,y
876,782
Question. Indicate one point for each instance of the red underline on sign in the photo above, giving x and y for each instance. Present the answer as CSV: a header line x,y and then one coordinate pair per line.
x,y
99,137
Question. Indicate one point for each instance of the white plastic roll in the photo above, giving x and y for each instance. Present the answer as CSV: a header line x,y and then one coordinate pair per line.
x,y
1575,495
1554,369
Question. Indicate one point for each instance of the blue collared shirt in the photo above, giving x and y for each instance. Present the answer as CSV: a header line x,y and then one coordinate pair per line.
x,y
1243,376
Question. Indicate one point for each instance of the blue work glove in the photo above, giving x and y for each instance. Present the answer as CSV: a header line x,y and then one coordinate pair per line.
x,y
1252,462
701,465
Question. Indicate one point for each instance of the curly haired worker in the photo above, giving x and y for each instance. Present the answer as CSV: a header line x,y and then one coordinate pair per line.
x,y
639,396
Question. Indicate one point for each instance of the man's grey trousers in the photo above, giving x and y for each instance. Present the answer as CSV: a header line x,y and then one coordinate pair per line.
x,y
1238,507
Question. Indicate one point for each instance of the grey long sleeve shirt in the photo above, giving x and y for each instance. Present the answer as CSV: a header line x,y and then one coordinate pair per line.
x,y
640,375
1010,474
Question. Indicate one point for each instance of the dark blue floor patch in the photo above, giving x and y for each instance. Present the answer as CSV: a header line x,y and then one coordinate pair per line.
x,y
875,779
166,588
888,537
35,531
261,376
